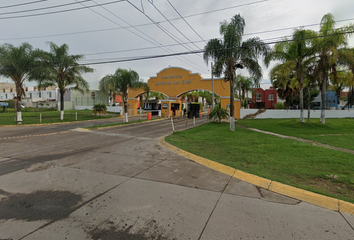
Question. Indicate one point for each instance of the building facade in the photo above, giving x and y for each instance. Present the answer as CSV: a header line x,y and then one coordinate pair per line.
x,y
264,98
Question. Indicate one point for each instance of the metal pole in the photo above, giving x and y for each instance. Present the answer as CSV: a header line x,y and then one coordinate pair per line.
x,y
212,85
76,116
194,121
173,127
40,118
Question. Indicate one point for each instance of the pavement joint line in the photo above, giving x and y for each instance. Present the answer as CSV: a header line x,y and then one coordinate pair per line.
x,y
89,200
347,221
280,188
216,204
36,135
125,124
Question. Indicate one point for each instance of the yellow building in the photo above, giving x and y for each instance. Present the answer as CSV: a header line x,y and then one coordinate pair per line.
x,y
175,81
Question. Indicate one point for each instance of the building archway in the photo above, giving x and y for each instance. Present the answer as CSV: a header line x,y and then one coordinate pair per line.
x,y
174,81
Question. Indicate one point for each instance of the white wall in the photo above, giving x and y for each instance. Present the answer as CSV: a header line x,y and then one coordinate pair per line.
x,y
116,109
296,113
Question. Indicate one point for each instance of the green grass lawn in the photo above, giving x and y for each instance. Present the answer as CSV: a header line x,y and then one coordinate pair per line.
x,y
32,117
336,132
299,164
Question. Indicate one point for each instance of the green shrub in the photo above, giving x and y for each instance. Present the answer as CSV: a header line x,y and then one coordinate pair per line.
x,y
279,105
99,108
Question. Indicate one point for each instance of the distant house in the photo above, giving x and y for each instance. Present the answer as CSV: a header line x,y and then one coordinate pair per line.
x,y
331,100
264,98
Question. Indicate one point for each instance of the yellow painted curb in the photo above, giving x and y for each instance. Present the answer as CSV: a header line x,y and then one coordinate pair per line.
x,y
253,179
286,190
345,207
306,196
206,162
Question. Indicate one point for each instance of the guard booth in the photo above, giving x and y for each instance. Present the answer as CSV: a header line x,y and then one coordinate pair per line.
x,y
171,108
193,110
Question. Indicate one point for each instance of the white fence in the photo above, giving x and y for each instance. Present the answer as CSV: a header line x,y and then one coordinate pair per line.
x,y
271,113
116,109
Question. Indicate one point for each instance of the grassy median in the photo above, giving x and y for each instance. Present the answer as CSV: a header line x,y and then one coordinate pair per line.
x,y
33,117
299,164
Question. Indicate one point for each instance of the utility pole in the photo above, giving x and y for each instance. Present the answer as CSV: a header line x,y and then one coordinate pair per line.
x,y
212,85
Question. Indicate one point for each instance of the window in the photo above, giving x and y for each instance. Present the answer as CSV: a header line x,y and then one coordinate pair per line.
x,y
10,89
30,95
6,96
270,97
258,97
39,94
3,90
50,94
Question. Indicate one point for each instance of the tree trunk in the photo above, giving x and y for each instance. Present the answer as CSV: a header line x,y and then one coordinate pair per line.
x,y
323,100
62,92
18,111
301,99
232,100
308,103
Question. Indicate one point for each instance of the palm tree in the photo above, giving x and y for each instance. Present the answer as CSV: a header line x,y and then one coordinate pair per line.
x,y
295,55
231,53
346,59
327,46
63,70
106,86
123,80
157,96
284,83
245,85
18,63
218,112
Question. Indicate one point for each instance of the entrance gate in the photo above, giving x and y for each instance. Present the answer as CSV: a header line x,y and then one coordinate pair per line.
x,y
174,82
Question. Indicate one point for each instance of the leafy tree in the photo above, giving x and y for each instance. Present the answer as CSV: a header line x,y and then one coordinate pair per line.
x,y
218,112
99,108
63,70
295,56
231,53
284,83
326,46
106,86
124,79
245,84
18,63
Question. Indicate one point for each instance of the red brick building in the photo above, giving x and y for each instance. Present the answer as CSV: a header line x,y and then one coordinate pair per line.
x,y
264,98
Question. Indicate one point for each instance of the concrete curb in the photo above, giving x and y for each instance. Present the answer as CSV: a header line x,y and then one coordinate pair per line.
x,y
293,192
120,125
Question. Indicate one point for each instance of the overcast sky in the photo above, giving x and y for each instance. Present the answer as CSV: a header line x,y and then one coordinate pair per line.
x,y
118,30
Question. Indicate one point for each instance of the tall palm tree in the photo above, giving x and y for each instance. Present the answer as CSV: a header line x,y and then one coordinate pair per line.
x,y
346,59
284,83
327,45
106,86
123,79
231,53
63,70
245,85
295,55
17,63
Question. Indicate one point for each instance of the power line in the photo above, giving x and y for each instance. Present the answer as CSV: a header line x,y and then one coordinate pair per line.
x,y
201,51
157,43
174,26
22,4
161,28
185,21
60,11
44,8
140,25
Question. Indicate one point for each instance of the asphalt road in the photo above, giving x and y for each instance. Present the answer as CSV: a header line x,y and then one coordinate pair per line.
x,y
62,182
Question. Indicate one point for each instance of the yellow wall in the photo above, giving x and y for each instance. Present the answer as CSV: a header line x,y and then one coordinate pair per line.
x,y
174,82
